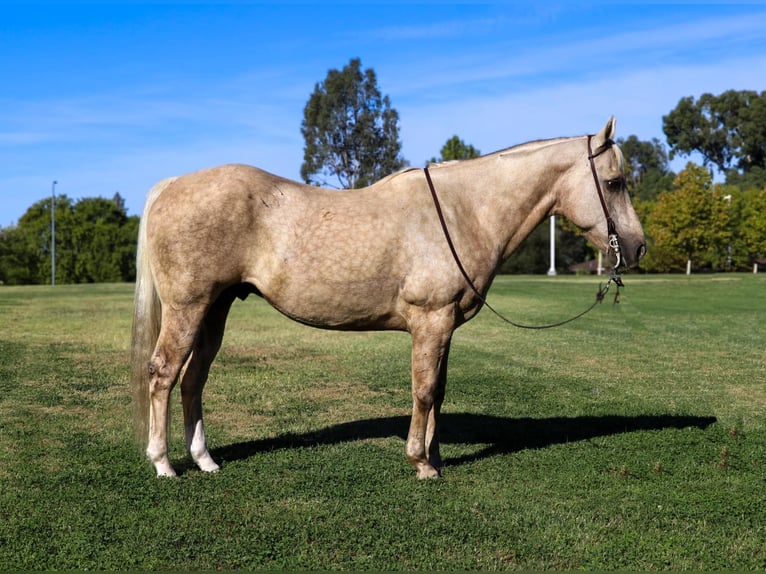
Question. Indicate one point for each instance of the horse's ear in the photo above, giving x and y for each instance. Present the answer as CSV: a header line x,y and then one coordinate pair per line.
x,y
605,135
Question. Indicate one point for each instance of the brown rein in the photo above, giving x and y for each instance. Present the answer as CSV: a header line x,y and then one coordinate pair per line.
x,y
602,290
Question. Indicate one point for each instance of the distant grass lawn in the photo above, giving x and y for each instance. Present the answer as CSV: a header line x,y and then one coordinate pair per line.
x,y
634,438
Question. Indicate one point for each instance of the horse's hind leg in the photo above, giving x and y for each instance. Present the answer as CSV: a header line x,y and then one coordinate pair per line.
x,y
206,347
179,329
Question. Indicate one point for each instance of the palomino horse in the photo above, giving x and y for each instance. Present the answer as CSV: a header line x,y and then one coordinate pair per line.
x,y
363,259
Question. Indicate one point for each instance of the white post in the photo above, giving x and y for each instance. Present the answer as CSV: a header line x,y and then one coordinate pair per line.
x,y
53,233
728,247
552,268
600,269
688,266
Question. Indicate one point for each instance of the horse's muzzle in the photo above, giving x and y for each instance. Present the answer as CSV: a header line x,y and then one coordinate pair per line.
x,y
629,254
639,253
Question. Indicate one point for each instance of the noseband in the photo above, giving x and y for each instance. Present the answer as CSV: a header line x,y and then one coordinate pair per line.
x,y
611,228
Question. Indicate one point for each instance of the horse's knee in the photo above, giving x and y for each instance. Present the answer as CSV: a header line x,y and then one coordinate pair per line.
x,y
425,394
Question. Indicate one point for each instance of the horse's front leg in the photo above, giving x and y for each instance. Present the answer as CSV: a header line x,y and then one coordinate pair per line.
x,y
432,429
431,336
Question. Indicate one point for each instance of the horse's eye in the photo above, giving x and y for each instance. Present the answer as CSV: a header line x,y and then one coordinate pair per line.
x,y
615,185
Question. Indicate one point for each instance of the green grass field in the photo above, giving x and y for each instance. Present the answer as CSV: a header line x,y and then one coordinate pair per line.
x,y
632,439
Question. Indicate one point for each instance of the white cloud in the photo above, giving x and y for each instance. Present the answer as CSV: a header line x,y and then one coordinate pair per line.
x,y
548,61
638,98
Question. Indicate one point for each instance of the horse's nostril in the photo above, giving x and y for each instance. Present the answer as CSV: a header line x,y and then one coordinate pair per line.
x,y
641,250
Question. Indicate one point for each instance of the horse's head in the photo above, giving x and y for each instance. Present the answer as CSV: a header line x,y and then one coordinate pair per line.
x,y
598,202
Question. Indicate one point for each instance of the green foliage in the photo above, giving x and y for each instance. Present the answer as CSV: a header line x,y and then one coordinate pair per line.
x,y
104,239
351,132
456,149
533,255
728,130
646,167
18,263
652,185
755,178
642,157
753,228
95,242
564,450
692,222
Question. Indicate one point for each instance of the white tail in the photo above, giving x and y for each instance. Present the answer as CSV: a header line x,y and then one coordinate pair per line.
x,y
147,315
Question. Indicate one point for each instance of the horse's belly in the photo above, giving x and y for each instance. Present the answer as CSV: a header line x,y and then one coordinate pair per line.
x,y
347,305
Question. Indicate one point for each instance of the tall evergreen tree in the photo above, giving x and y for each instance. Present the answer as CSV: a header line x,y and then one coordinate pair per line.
x,y
455,148
351,132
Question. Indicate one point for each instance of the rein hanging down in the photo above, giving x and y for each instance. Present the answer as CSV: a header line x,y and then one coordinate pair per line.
x,y
614,246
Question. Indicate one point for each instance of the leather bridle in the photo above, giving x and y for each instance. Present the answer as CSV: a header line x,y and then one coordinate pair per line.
x,y
611,228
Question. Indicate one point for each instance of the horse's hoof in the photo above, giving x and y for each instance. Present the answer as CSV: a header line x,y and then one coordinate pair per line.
x,y
166,472
207,464
162,466
427,471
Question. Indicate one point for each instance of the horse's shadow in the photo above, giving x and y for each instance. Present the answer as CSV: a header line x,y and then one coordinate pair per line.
x,y
501,435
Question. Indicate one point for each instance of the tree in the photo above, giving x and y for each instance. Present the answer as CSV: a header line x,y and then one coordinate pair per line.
x,y
755,178
102,247
18,264
728,130
351,132
691,223
95,242
455,149
753,225
25,252
646,167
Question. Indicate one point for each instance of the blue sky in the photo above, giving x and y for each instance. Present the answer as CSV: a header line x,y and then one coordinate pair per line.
x,y
109,97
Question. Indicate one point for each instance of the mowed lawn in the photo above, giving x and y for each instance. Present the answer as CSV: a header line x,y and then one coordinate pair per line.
x,y
634,438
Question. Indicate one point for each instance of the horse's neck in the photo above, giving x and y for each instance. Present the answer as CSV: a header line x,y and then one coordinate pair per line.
x,y
507,195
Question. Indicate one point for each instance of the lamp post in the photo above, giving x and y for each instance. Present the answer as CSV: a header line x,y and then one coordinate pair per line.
x,y
727,198
53,233
552,268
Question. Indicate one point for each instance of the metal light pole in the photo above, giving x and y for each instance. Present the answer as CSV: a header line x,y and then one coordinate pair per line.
x,y
728,247
552,268
53,233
